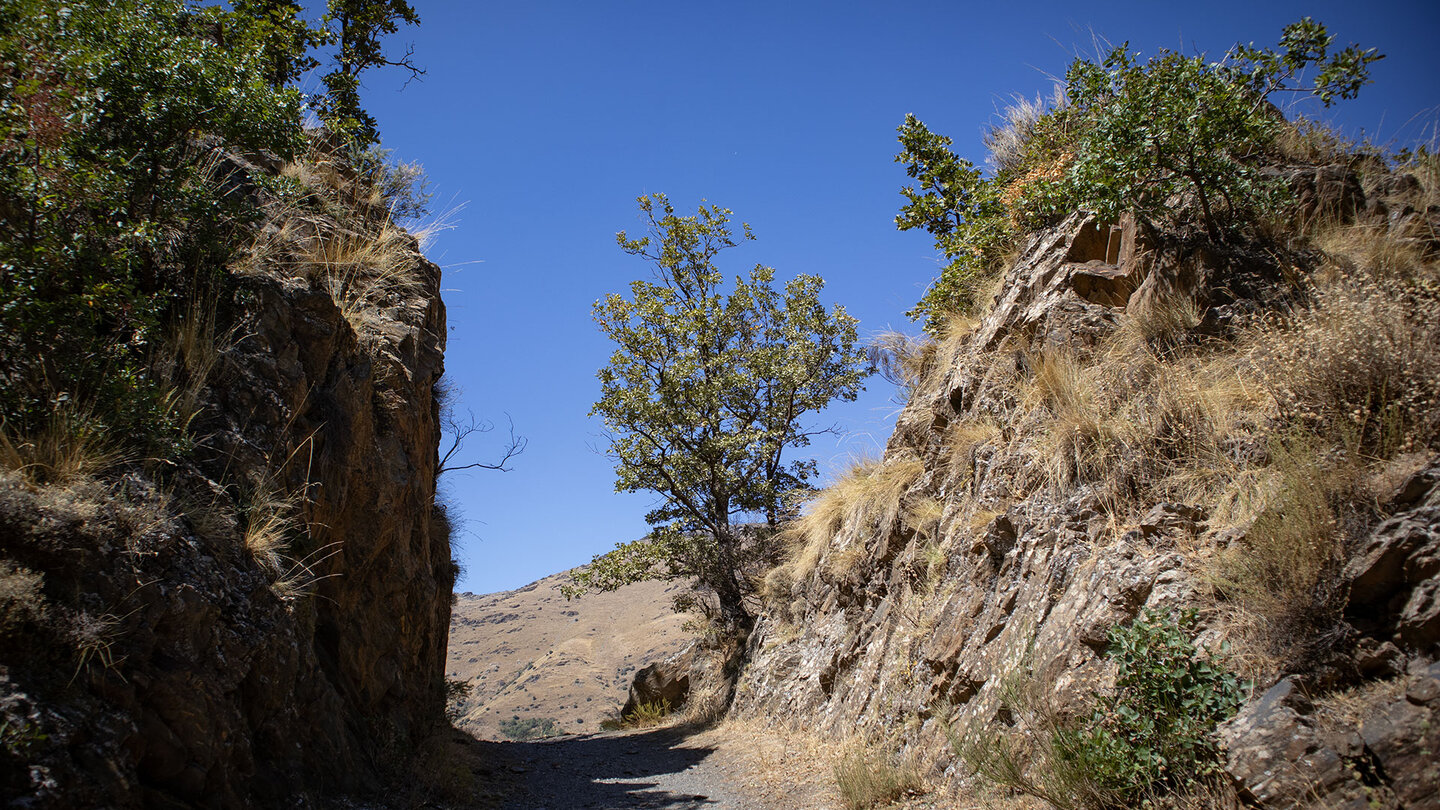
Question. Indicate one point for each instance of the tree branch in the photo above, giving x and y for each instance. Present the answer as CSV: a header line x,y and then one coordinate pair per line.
x,y
460,431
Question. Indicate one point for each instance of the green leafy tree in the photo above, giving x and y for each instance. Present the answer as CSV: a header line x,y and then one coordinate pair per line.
x,y
956,204
286,40
358,26
1152,132
109,211
704,394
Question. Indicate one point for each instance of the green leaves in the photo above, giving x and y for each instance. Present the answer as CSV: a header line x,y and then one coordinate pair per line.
x,y
961,209
1154,733
706,390
109,210
1155,134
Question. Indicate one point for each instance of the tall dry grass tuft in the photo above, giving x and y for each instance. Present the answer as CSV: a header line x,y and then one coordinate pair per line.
x,y
866,499
1362,365
361,269
871,777
1278,583
1007,142
71,445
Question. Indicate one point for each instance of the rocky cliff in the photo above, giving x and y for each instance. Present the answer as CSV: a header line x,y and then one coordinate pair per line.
x,y
264,621
1136,423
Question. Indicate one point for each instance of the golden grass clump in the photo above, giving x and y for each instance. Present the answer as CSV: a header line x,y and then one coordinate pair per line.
x,y
70,446
866,498
870,777
1361,366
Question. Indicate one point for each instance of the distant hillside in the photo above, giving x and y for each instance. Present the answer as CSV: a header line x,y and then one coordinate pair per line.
x,y
530,654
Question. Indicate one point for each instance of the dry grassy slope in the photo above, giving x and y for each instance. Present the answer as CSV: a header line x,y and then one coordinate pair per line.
x,y
531,653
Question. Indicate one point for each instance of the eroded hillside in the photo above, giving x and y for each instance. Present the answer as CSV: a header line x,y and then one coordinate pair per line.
x,y
531,656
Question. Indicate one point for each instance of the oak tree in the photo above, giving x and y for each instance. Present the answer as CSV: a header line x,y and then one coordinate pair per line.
x,y
703,396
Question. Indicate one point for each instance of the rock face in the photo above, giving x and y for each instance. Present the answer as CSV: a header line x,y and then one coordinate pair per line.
x,y
269,622
1007,562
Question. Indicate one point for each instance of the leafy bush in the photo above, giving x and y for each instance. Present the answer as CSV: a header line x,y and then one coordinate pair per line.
x,y
964,213
530,728
114,208
1152,735
1124,135
1155,732
1156,132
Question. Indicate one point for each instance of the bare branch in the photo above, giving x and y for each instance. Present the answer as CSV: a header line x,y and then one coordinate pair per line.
x,y
460,431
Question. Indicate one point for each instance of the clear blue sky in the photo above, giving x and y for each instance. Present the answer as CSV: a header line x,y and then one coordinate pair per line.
x,y
547,119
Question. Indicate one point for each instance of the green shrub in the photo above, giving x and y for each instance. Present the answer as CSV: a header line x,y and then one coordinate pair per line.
x,y
962,210
114,208
530,728
1152,735
1176,127
1155,733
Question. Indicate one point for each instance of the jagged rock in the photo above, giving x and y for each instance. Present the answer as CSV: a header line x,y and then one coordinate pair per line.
x,y
1394,587
1331,191
1405,739
1280,758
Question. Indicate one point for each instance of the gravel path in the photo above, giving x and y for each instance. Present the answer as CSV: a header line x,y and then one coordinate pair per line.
x,y
660,769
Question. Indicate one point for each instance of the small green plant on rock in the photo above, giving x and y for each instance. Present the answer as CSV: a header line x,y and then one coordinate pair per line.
x,y
1152,735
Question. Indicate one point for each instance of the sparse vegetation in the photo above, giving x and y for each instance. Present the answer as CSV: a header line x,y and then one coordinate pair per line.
x,y
869,776
866,498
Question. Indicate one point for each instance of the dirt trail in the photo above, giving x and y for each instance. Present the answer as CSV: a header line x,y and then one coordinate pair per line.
x,y
729,768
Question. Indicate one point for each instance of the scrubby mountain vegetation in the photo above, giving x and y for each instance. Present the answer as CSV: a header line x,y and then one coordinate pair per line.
x,y
211,322
1176,405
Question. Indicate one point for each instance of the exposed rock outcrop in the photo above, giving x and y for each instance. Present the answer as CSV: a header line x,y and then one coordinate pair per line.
x,y
267,623
1020,545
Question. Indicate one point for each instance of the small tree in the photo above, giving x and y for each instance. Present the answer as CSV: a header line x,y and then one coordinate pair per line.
x,y
704,394
1150,132
357,28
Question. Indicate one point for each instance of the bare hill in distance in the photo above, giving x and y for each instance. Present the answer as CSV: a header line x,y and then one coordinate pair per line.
x,y
531,655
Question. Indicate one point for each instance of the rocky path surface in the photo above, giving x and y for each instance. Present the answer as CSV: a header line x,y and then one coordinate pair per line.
x,y
666,769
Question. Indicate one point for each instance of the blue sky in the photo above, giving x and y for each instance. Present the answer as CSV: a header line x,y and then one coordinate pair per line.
x,y
547,119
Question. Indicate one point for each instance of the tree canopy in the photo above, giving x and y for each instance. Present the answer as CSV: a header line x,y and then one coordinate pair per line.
x,y
703,396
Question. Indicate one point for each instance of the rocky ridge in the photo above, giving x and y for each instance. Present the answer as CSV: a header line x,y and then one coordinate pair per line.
x,y
265,623
1008,551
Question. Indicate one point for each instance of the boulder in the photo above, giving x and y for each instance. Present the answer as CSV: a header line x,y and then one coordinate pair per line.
x,y
666,682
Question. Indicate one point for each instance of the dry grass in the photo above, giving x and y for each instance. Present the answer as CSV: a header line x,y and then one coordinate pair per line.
x,y
363,269
1373,250
1007,141
71,446
272,521
1362,364
1305,140
901,359
866,498
869,776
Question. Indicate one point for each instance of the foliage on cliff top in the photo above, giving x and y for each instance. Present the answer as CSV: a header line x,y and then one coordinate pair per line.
x,y
114,210
1171,139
